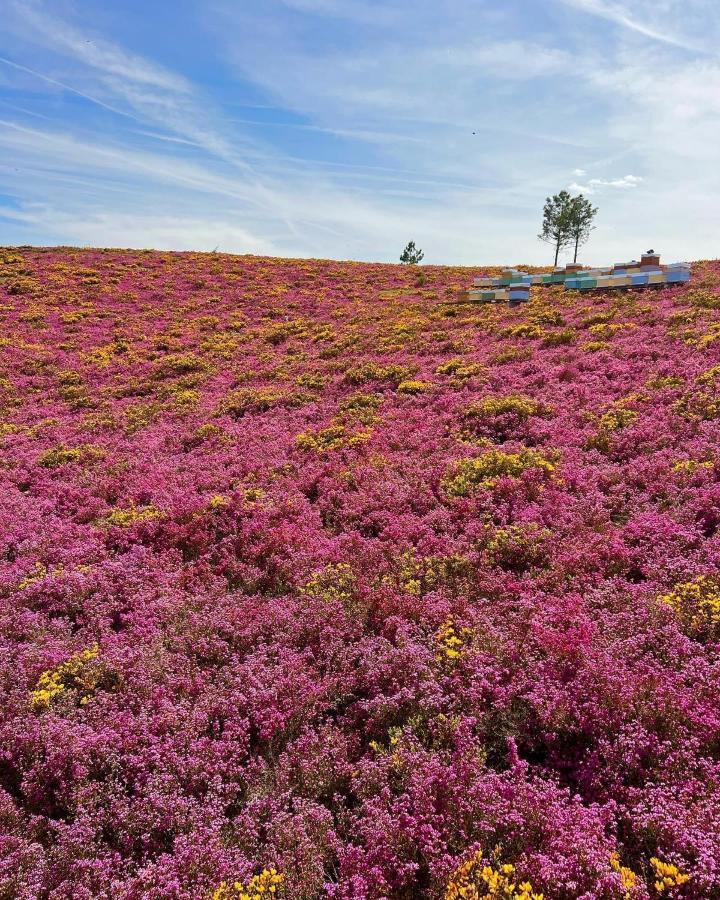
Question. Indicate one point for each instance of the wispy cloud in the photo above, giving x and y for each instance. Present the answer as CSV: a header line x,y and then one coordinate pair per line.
x,y
59,84
94,51
647,26
124,83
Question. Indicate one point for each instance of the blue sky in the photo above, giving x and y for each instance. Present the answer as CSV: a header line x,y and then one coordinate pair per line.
x,y
344,128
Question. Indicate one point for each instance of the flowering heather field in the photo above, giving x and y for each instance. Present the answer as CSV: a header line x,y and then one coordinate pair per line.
x,y
315,582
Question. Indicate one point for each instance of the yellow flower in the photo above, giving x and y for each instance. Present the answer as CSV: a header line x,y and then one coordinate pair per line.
x,y
483,471
451,642
667,875
474,881
73,673
697,605
269,883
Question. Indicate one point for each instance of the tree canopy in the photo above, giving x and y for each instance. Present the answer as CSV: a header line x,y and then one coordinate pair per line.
x,y
411,255
567,221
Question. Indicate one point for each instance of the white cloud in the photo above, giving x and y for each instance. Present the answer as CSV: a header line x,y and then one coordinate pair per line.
x,y
594,184
503,59
138,231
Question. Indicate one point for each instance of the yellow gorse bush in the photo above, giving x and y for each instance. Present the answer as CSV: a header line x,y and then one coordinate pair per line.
x,y
38,572
704,340
278,332
313,380
701,405
617,418
690,466
628,878
122,518
475,881
175,364
659,382
269,883
62,455
604,331
465,476
335,582
451,641
540,314
334,437
249,400
703,299
360,408
75,673
419,574
372,371
666,875
709,376
459,370
413,387
511,355
517,405
697,605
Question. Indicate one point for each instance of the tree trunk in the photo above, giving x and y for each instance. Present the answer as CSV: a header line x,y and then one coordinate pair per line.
x,y
577,241
557,251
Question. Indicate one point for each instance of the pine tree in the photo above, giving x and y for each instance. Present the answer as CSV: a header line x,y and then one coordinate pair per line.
x,y
411,255
582,213
557,219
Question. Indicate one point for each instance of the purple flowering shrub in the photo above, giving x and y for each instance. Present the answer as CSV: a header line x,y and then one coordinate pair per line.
x,y
315,582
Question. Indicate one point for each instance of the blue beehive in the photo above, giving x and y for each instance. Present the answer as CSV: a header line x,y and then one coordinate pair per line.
x,y
514,285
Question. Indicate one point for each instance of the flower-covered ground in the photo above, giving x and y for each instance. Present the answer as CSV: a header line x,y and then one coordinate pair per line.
x,y
317,582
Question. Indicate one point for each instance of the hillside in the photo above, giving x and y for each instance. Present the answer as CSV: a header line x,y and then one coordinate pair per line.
x,y
306,566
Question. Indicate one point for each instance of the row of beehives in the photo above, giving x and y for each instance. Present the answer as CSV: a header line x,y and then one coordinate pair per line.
x,y
513,286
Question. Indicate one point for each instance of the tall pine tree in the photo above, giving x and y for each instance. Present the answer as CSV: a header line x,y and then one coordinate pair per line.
x,y
582,213
411,255
557,219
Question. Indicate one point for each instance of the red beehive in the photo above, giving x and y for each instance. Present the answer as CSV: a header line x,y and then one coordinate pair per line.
x,y
650,260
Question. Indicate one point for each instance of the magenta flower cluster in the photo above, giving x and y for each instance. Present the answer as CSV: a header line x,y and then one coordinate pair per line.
x,y
312,568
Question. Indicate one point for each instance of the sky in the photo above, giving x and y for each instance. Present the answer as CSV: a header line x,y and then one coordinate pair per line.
x,y
345,128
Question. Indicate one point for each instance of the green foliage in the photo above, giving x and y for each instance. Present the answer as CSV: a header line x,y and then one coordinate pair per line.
x,y
557,218
567,221
411,255
582,213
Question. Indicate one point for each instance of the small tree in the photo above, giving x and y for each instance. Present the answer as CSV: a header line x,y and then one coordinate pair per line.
x,y
582,213
557,218
411,255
